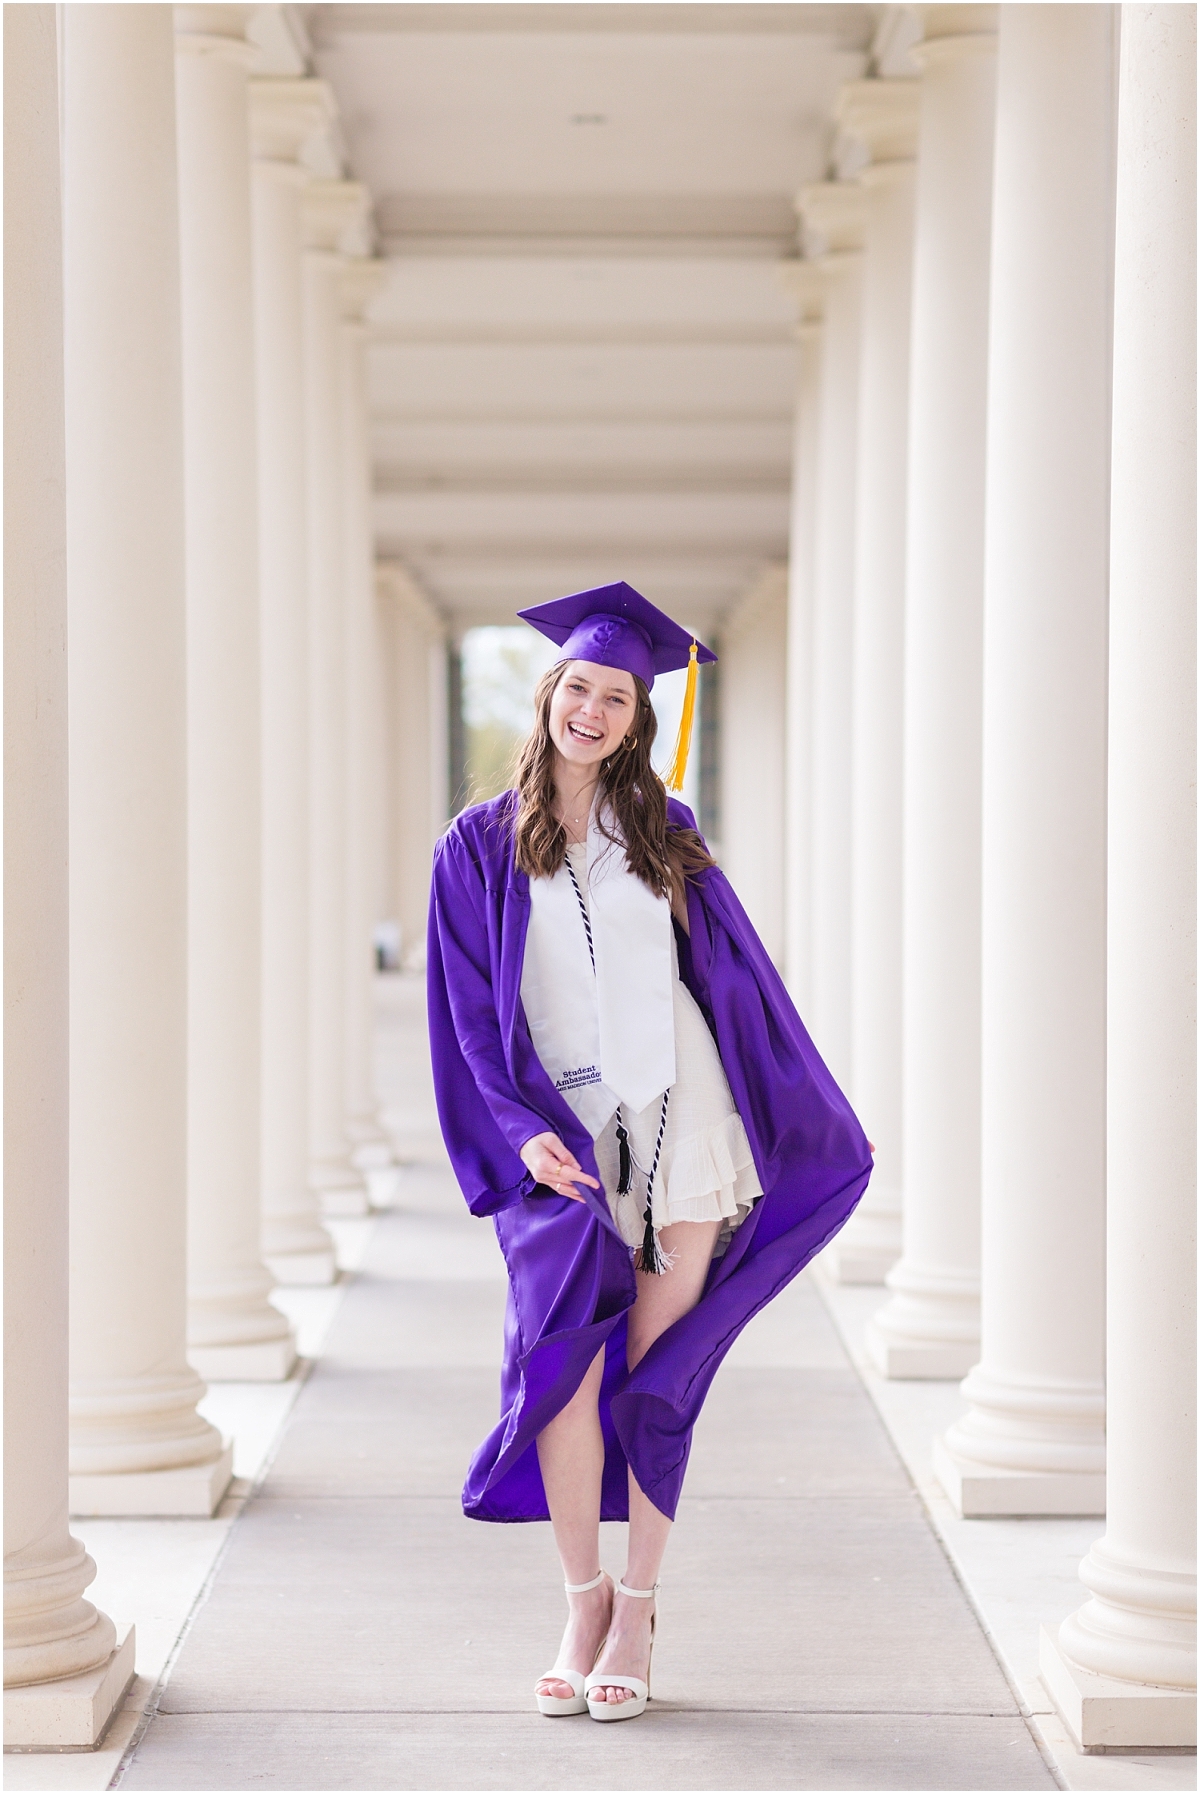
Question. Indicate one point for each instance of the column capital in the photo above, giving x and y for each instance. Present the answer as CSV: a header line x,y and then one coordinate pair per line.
x,y
941,52
940,23
880,119
286,114
213,21
215,31
215,48
361,279
801,280
337,217
833,215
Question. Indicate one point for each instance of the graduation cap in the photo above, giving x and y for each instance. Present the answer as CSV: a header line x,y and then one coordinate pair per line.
x,y
614,626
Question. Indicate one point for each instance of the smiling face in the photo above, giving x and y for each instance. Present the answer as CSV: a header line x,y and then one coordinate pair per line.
x,y
591,712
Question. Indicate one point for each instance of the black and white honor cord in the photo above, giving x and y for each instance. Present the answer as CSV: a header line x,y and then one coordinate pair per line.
x,y
650,1257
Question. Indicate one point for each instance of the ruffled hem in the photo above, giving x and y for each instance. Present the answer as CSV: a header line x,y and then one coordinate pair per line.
x,y
708,1176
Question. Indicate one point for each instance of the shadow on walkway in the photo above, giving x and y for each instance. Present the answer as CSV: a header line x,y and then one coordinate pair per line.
x,y
361,1634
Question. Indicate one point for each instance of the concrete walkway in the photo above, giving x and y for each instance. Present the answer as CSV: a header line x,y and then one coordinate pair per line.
x,y
360,1633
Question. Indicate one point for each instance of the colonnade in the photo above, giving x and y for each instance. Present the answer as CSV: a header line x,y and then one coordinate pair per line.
x,y
980,748
998,945
192,776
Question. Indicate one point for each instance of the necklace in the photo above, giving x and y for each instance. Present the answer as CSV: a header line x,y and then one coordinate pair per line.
x,y
576,822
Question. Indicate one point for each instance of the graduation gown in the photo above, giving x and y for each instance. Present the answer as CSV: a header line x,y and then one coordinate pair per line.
x,y
571,1277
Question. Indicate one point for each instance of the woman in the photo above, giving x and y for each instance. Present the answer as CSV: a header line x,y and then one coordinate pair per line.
x,y
624,1084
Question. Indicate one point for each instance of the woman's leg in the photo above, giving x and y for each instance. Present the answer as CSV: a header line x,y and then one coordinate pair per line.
x,y
661,1300
571,1456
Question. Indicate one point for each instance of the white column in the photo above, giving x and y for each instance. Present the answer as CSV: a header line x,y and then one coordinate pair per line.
x,y
930,1327
833,216
370,1145
283,115
753,697
1123,1669
50,1631
137,1443
415,746
883,116
804,283
332,212
1033,1439
233,1331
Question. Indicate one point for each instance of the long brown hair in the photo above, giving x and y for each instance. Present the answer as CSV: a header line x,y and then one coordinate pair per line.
x,y
634,816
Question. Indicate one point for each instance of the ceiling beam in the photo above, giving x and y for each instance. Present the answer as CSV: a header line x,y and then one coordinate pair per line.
x,y
533,483
584,334
847,27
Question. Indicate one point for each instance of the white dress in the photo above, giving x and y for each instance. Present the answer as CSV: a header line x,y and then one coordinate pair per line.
x,y
705,1168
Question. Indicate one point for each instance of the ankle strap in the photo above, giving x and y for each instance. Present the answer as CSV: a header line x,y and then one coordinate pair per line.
x,y
581,1588
642,1594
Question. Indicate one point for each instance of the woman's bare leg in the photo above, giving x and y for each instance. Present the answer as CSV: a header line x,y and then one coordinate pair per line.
x,y
661,1300
571,1456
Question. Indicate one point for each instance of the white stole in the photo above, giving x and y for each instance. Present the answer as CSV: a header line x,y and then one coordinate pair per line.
x,y
608,1037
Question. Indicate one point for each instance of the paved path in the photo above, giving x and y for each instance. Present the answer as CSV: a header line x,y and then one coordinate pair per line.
x,y
362,1634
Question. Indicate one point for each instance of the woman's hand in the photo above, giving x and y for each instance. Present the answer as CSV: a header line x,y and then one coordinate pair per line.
x,y
550,1162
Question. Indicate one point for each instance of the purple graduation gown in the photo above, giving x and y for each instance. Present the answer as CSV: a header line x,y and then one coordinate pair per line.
x,y
571,1278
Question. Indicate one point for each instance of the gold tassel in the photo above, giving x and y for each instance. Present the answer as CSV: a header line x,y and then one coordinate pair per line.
x,y
673,777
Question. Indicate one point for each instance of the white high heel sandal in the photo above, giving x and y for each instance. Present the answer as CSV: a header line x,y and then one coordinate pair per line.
x,y
606,1710
556,1706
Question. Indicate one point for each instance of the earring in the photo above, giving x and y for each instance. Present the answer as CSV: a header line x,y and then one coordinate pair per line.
x,y
630,743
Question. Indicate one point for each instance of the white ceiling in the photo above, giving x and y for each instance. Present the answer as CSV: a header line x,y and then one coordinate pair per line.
x,y
581,364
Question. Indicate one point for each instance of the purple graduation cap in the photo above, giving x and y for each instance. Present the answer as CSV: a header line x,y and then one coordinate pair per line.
x,y
614,626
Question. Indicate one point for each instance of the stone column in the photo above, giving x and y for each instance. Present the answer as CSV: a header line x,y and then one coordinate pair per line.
x,y
882,115
334,212
138,1446
370,1145
752,696
233,1331
50,1632
804,283
416,745
283,115
1123,1669
930,1328
833,216
1033,1440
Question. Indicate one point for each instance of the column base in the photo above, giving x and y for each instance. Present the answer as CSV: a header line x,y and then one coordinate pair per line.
x,y
350,1201
267,1361
1103,1713
983,1491
338,1185
302,1270
376,1156
383,1186
193,1491
373,1149
74,1713
845,1261
945,1360
930,1327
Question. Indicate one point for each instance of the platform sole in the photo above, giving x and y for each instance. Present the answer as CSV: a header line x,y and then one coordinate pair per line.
x,y
553,1706
606,1712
